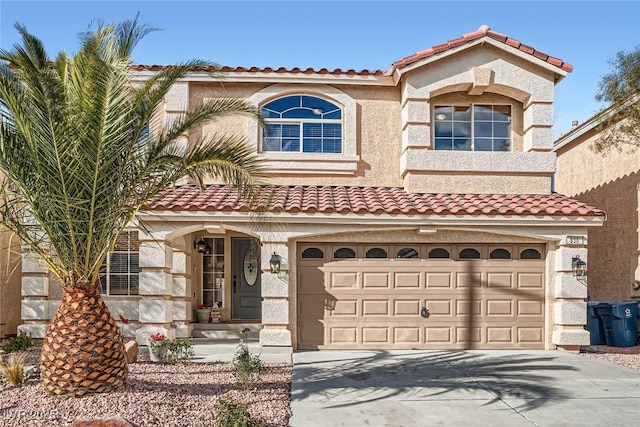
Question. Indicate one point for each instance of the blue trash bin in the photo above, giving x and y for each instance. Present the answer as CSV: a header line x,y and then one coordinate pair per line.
x,y
594,324
619,322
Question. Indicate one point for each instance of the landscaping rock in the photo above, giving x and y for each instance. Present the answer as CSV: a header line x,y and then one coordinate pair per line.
x,y
103,422
131,348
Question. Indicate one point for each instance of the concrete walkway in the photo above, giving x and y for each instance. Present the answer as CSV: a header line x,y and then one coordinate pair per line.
x,y
465,388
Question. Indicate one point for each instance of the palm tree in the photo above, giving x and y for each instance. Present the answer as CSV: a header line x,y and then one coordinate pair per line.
x,y
81,150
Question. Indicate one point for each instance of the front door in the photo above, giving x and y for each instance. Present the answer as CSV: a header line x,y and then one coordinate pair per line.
x,y
246,300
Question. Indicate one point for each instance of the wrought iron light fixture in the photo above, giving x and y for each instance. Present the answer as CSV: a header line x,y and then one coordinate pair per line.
x,y
274,263
579,268
200,245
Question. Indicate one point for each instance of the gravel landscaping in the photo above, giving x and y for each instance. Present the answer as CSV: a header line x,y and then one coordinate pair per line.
x,y
155,395
626,356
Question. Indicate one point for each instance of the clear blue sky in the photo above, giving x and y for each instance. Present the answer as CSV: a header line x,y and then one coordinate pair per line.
x,y
348,34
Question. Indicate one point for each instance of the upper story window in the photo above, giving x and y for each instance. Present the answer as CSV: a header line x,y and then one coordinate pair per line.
x,y
472,127
121,270
302,123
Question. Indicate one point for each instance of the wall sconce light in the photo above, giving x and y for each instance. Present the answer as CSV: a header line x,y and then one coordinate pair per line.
x,y
200,245
274,263
579,268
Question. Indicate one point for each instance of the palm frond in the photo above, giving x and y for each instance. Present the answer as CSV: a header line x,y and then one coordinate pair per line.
x,y
76,155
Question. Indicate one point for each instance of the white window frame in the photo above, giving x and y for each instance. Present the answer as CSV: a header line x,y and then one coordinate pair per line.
x,y
296,163
107,273
472,124
301,122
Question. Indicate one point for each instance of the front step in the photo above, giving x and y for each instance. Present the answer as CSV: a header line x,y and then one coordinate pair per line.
x,y
227,331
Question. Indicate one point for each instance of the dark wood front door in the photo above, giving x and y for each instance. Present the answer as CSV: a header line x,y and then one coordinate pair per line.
x,y
246,301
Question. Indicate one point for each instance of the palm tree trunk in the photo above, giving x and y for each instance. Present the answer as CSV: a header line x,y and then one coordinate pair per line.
x,y
83,349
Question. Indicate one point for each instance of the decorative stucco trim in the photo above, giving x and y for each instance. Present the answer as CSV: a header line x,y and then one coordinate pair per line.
x,y
474,161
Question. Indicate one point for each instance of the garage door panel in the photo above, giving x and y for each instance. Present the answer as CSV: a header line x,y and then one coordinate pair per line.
x,y
375,304
311,280
375,335
466,308
531,280
312,336
499,335
375,280
499,280
408,280
343,335
406,307
407,335
500,308
529,334
341,280
530,308
375,308
311,307
469,280
345,307
438,280
439,307
438,335
468,335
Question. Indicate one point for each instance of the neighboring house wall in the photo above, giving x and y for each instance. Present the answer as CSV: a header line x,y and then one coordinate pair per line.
x,y
10,276
609,181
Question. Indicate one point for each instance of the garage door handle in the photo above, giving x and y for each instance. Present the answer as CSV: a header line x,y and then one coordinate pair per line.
x,y
424,312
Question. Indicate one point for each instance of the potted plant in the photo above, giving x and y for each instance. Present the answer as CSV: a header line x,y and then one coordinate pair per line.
x,y
155,344
203,313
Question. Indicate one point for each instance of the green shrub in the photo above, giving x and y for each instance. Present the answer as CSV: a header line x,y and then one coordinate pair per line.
x,y
172,351
234,414
19,343
246,366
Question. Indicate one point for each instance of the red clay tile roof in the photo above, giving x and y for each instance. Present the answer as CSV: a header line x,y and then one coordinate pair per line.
x,y
281,70
479,33
370,200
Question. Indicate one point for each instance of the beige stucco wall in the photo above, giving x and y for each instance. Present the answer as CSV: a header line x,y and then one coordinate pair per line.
x,y
377,133
608,182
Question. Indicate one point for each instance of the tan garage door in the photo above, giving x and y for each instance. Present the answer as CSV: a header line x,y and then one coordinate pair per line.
x,y
371,296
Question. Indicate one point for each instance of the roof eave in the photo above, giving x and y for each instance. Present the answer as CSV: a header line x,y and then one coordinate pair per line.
x,y
399,70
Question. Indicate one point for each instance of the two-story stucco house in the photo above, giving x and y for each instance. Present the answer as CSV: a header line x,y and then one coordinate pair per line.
x,y
410,209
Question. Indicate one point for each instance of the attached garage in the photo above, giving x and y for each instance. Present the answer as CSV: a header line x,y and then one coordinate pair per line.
x,y
377,296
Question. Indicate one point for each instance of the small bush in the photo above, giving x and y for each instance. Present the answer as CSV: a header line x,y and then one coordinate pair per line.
x,y
246,366
13,368
234,414
19,343
172,351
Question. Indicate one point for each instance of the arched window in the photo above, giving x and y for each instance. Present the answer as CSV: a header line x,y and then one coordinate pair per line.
x,y
344,253
376,253
469,253
439,253
500,254
302,123
407,253
312,253
530,254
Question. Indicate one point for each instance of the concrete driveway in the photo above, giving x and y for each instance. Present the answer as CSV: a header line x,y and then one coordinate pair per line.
x,y
458,388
